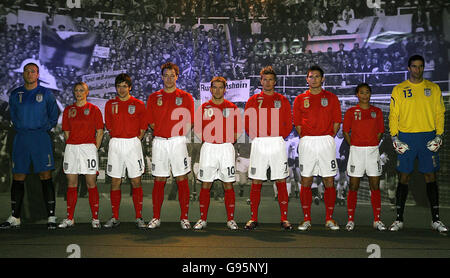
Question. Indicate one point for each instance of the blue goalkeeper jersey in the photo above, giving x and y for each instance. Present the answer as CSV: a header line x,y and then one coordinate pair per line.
x,y
34,110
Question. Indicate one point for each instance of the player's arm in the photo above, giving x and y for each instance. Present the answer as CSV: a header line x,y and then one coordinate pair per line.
x,y
347,125
336,127
52,110
337,117
394,112
380,125
142,133
286,126
149,114
296,114
439,113
347,137
66,134
98,137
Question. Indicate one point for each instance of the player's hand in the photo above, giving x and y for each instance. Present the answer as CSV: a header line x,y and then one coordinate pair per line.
x,y
399,146
435,144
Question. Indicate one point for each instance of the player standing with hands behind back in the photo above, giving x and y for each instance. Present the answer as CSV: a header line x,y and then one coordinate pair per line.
x,y
416,123
125,120
170,114
317,119
363,128
83,130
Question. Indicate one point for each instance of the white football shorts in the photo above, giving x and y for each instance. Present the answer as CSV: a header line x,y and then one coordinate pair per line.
x,y
125,155
80,159
364,160
268,152
317,156
170,154
217,161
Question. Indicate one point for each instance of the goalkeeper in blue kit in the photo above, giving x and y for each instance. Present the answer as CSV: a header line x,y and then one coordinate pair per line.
x,y
34,113
416,123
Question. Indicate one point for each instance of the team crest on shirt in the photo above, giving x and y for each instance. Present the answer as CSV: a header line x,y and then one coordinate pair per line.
x,y
131,109
324,102
39,97
159,101
86,111
277,103
179,101
373,114
427,92
306,103
72,112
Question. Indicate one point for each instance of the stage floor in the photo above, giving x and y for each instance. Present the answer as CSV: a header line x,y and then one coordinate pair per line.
x,y
417,240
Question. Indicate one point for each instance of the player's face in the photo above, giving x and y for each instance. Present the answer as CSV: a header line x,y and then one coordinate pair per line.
x,y
314,79
123,90
268,82
80,92
217,90
416,69
169,78
363,95
30,74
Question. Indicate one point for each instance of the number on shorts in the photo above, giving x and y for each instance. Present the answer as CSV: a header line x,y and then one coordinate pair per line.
x,y
230,170
140,164
185,162
333,164
91,163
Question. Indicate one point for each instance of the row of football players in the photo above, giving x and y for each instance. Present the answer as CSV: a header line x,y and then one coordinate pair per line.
x,y
317,118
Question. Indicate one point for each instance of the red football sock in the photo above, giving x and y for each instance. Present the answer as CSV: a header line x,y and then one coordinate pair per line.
x,y
375,199
158,197
351,204
283,199
330,200
93,201
183,197
138,196
72,193
230,200
116,196
255,198
204,200
306,201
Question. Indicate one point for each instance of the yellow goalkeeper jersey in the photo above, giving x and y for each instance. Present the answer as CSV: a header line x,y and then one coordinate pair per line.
x,y
416,108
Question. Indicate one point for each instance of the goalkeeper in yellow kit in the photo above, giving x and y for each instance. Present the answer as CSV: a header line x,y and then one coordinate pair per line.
x,y
416,123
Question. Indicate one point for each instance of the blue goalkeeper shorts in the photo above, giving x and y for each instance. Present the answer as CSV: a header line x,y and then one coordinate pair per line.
x,y
417,143
34,147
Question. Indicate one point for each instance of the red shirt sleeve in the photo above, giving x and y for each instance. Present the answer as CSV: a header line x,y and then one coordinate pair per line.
x,y
296,111
65,119
108,115
250,115
98,118
380,121
347,121
286,125
337,117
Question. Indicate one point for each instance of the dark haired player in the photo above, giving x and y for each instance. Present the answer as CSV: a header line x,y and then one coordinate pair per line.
x,y
126,122
170,114
317,118
34,113
416,123
363,128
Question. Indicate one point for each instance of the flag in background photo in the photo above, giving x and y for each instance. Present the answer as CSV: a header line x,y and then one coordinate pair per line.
x,y
75,50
